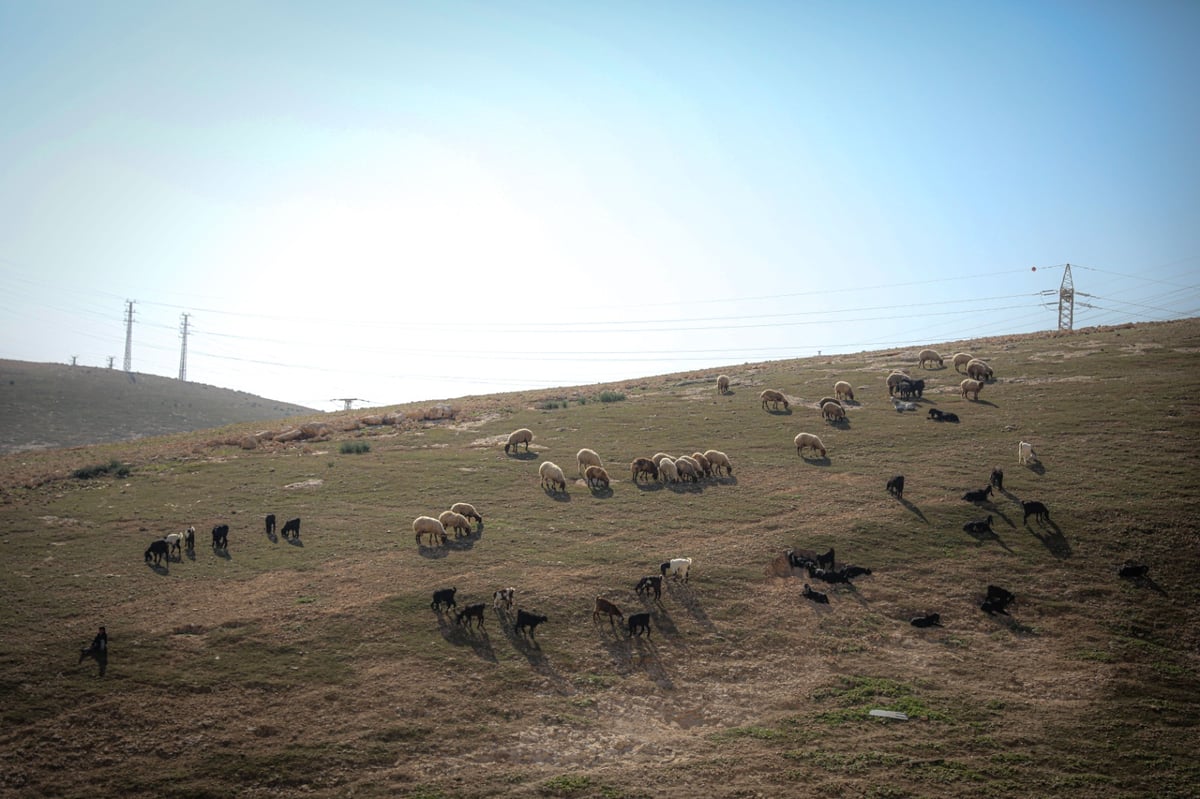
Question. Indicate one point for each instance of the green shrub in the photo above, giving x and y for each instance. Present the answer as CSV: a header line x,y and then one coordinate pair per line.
x,y
611,396
355,447
113,467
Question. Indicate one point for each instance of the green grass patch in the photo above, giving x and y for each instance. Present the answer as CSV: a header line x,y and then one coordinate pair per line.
x,y
113,468
354,447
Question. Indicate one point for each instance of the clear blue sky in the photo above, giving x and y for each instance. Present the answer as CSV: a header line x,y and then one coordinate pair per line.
x,y
422,200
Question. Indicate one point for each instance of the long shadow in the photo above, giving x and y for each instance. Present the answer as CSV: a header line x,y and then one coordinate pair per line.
x,y
686,488
462,543
557,496
652,486
822,461
160,569
1145,581
1014,626
682,593
996,510
912,508
647,656
529,647
432,553
522,456
602,493
1053,540
191,555
777,412
1037,468
987,403
662,618
223,553
728,479
990,536
474,637
296,542
274,539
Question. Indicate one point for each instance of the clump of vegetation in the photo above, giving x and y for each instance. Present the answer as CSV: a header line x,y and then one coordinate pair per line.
x,y
113,467
549,405
355,447
566,785
611,396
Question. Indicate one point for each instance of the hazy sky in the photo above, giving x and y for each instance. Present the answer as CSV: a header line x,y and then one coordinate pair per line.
x,y
421,200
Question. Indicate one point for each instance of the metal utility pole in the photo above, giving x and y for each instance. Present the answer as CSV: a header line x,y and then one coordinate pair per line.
x,y
128,335
111,358
183,331
347,401
74,359
1066,301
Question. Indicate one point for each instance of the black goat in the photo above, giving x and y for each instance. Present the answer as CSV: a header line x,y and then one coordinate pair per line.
x,y
979,527
950,417
826,561
936,415
910,388
639,622
895,486
1037,510
978,496
443,596
291,526
220,536
270,524
159,550
527,621
1133,570
648,584
189,539
997,479
799,561
851,572
472,612
928,620
997,600
815,596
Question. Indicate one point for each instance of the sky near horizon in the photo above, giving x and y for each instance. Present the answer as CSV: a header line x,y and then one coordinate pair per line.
x,y
401,201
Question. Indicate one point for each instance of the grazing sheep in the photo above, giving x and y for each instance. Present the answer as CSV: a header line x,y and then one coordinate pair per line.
x,y
503,598
688,469
451,520
1025,453
928,356
816,596
552,476
719,460
895,486
220,536
978,496
643,466
174,540
443,596
468,510
962,359
639,622
722,384
979,527
833,413
1133,570
843,390
996,480
894,379
677,568
809,441
189,539
527,621
658,457
158,550
706,468
928,620
979,370
291,528
604,607
518,437
774,397
587,457
823,401
472,613
596,477
427,525
972,387
1037,510
997,600
270,524
648,584
667,471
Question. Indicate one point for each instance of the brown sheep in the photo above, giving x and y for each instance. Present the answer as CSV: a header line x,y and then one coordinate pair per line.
x,y
774,397
970,386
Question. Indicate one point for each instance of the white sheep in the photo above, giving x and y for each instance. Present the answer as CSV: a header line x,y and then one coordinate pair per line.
x,y
452,520
658,457
687,469
809,441
722,384
970,386
1025,453
961,359
427,525
929,356
587,457
677,568
774,397
468,510
552,476
517,437
667,471
979,370
843,390
833,413
718,460
705,466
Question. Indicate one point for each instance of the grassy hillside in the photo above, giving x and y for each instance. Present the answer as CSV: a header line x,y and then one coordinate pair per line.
x,y
317,667
53,405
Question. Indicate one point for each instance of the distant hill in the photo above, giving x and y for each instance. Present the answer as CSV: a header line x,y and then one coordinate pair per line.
x,y
48,405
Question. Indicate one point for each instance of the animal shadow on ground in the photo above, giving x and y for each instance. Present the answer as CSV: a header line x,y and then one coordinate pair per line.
x,y
682,593
780,412
1054,540
191,555
653,485
529,647
991,535
1037,468
1014,626
1145,581
987,403
223,553
158,568
995,509
727,480
602,493
462,543
523,456
296,542
274,539
821,461
432,553
460,635
686,488
912,509
557,496
644,652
